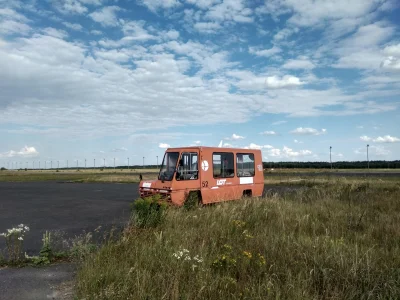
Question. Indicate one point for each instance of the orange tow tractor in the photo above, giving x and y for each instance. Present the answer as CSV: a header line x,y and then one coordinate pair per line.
x,y
213,174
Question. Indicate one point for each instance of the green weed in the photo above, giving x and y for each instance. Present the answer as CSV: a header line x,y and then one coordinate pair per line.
x,y
327,242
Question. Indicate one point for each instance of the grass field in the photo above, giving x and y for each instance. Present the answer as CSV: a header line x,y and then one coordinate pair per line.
x,y
333,240
132,175
83,175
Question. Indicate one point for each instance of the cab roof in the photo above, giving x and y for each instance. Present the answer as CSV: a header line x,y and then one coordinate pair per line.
x,y
211,148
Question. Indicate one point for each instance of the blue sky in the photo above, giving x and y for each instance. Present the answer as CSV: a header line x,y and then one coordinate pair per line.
x,y
95,79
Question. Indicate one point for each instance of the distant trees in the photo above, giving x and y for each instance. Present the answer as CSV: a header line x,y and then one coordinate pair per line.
x,y
377,164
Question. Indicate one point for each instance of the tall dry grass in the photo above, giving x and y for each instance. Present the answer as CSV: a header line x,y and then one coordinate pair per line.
x,y
328,242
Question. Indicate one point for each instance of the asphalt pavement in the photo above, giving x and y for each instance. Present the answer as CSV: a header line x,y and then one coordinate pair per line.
x,y
69,208
29,283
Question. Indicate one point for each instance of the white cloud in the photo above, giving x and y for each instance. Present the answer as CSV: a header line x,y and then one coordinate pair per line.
x,y
234,137
265,52
309,12
122,149
361,50
9,27
58,33
227,145
197,142
365,138
373,151
92,2
70,6
279,122
360,127
24,152
285,33
203,4
297,142
12,22
107,16
250,81
393,50
207,27
90,84
96,32
307,131
391,63
258,147
287,153
73,26
379,81
268,133
386,139
274,82
163,146
113,55
155,5
172,34
302,63
11,14
380,139
230,10
135,31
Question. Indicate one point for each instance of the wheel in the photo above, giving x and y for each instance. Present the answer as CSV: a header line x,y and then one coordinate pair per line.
x,y
193,200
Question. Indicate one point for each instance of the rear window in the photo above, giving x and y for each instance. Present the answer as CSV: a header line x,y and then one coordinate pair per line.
x,y
245,165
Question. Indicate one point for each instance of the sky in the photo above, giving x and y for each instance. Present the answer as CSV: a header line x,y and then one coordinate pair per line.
x,y
105,79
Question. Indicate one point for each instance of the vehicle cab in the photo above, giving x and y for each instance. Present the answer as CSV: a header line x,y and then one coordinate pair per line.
x,y
214,174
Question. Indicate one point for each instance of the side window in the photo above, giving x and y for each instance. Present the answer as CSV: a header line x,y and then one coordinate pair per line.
x,y
245,165
188,168
223,165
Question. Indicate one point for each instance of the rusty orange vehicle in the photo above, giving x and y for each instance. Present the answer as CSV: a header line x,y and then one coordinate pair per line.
x,y
213,174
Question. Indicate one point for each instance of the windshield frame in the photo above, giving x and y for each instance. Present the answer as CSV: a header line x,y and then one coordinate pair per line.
x,y
164,174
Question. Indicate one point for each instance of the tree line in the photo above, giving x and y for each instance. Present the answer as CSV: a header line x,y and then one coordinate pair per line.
x,y
374,164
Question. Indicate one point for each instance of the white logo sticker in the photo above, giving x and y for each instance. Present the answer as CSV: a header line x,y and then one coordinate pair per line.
x,y
221,181
260,167
204,165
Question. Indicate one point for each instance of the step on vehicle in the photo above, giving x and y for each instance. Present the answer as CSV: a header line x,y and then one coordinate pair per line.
x,y
211,174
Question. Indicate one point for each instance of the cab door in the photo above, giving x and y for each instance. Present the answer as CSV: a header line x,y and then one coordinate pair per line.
x,y
187,177
218,179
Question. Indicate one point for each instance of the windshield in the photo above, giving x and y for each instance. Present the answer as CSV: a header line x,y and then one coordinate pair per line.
x,y
168,166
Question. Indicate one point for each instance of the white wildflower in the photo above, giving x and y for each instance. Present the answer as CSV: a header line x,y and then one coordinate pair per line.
x,y
20,238
198,259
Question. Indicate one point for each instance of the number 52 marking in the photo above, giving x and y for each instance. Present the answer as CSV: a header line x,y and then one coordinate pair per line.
x,y
204,183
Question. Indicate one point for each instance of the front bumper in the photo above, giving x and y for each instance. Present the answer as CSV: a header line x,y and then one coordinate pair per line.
x,y
146,192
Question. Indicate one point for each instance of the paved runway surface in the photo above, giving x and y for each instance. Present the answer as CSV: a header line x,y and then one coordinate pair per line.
x,y
29,283
67,207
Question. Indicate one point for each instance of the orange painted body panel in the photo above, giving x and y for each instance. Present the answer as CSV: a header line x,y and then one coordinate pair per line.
x,y
222,174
